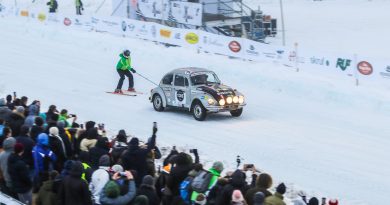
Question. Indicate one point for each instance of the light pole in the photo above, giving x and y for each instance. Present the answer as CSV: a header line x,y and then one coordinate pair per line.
x,y
283,31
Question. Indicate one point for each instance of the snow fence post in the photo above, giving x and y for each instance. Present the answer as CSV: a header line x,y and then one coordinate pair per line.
x,y
296,57
356,75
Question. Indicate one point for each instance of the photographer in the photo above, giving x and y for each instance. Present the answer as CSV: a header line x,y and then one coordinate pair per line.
x,y
111,192
64,117
134,158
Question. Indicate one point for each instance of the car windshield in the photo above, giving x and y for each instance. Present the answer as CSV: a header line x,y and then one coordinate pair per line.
x,y
201,78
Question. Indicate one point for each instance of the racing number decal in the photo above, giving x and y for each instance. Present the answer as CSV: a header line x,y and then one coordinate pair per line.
x,y
180,97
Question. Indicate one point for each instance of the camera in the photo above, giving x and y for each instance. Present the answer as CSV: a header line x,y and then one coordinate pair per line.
x,y
122,174
154,125
72,115
248,166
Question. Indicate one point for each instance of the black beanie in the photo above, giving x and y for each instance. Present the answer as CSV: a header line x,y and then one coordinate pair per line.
x,y
281,189
313,201
134,141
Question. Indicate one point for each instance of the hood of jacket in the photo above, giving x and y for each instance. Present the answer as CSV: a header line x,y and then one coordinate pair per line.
x,y
76,170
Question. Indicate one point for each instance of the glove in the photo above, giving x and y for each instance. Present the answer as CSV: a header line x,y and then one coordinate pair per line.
x,y
132,70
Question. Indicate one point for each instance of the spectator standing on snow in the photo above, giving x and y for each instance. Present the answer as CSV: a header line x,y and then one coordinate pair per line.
x,y
101,148
53,5
148,189
263,183
19,174
258,198
277,198
46,195
8,149
74,190
123,68
28,145
16,120
238,182
111,192
99,178
5,111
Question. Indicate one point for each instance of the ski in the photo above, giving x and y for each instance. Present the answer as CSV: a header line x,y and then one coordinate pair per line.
x,y
125,94
135,92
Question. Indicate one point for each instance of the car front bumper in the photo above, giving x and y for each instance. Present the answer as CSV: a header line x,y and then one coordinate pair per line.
x,y
225,108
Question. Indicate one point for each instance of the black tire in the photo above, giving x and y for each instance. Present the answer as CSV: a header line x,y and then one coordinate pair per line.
x,y
158,103
198,111
236,113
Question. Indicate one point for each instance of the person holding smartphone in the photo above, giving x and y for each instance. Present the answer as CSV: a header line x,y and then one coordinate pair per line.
x,y
111,192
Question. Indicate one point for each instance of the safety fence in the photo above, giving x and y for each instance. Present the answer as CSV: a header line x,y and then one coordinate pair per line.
x,y
352,66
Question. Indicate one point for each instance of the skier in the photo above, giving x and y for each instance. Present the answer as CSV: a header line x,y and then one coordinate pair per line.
x,y
53,5
123,68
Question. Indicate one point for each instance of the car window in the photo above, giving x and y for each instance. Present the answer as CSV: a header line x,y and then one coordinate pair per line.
x,y
186,81
180,81
167,80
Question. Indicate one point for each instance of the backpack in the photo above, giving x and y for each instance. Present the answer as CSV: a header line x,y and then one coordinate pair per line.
x,y
201,182
185,189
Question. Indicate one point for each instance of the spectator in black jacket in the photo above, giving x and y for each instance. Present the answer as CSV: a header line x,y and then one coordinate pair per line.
x,y
134,158
263,183
58,147
74,190
16,120
37,128
19,173
101,148
28,145
147,189
237,181
119,146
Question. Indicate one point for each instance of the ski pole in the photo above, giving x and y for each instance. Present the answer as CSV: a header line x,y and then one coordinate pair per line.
x,y
147,79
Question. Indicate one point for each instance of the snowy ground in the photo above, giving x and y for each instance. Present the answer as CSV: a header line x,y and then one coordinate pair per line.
x,y
317,132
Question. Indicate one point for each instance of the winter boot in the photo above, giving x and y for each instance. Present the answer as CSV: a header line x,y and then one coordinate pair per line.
x,y
118,91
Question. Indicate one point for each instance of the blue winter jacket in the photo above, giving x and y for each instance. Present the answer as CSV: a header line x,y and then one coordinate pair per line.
x,y
40,151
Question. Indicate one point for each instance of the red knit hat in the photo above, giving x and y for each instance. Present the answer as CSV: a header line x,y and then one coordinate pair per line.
x,y
333,202
18,148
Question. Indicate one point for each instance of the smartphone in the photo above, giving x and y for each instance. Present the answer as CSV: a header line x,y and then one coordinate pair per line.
x,y
122,174
82,126
323,201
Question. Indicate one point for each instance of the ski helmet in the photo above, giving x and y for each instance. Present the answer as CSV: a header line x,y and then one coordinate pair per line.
x,y
126,53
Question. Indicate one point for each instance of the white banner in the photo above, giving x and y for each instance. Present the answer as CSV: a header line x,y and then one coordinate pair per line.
x,y
176,11
187,12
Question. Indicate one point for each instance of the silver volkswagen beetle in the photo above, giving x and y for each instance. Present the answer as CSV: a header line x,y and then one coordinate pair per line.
x,y
197,90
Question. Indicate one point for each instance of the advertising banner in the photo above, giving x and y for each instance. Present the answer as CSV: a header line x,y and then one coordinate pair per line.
x,y
155,9
186,12
107,24
224,45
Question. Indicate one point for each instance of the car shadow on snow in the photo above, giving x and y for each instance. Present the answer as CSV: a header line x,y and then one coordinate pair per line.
x,y
222,116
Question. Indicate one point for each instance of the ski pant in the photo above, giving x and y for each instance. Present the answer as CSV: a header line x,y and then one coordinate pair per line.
x,y
122,74
78,10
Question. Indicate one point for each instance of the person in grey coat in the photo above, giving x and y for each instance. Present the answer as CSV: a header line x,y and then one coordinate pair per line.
x,y
5,112
8,146
111,192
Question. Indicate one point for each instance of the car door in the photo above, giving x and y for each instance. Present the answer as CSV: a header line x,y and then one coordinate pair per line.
x,y
181,91
167,86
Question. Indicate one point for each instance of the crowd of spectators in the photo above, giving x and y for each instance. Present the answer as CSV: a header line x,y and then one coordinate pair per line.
x,y
47,158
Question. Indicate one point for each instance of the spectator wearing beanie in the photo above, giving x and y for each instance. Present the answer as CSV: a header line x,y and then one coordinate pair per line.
x,y
101,148
237,182
237,198
28,145
90,141
58,147
134,158
258,198
313,201
111,192
120,145
263,183
19,174
5,111
8,149
37,128
277,198
87,171
16,120
9,102
46,194
147,189
141,200
333,202
215,170
99,178
74,190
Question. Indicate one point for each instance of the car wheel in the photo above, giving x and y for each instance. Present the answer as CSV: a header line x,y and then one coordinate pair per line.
x,y
198,111
158,103
236,113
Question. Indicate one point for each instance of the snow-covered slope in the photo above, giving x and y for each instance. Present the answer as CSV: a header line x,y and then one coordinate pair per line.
x,y
320,133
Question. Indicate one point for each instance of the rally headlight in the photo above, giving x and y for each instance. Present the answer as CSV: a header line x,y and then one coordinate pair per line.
x,y
229,100
241,99
235,99
211,101
222,102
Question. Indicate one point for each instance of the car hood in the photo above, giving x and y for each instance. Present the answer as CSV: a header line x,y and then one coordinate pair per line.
x,y
217,90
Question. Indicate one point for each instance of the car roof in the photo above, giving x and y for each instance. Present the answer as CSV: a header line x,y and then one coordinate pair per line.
x,y
189,70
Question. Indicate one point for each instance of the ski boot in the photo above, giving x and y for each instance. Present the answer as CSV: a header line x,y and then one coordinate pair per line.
x,y
131,90
118,91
